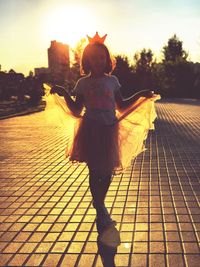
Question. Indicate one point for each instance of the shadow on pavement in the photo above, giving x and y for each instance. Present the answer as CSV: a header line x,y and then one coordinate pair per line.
x,y
107,243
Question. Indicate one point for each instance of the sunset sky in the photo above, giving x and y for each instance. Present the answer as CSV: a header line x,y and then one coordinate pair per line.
x,y
28,26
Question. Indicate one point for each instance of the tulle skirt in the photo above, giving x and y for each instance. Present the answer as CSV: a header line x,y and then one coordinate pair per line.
x,y
108,147
96,144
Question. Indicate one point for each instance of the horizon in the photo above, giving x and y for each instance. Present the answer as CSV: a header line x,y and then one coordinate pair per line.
x,y
131,60
28,27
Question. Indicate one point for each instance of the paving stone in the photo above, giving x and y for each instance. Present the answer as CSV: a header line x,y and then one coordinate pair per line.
x,y
46,213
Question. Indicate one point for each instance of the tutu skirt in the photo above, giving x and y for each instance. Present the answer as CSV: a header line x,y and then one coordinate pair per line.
x,y
96,144
108,147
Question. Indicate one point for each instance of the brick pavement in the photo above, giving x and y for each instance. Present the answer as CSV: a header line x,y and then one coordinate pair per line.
x,y
46,214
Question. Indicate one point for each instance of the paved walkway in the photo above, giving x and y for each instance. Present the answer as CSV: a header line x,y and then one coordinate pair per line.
x,y
45,206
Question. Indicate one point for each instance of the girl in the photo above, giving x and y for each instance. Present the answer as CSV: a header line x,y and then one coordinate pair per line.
x,y
105,133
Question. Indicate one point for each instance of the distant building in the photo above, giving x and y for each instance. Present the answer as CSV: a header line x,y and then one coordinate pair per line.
x,y
39,71
58,60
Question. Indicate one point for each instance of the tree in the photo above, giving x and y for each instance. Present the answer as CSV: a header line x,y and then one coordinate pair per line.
x,y
31,73
124,71
144,60
74,73
78,50
177,72
143,68
174,51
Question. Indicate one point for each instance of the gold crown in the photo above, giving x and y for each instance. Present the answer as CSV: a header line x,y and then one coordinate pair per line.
x,y
96,39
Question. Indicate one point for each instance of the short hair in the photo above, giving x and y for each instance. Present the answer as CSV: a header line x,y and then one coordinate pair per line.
x,y
85,65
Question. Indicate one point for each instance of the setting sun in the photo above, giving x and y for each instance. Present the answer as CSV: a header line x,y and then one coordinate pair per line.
x,y
130,26
67,24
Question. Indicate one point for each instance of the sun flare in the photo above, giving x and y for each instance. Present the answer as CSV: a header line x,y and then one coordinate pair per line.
x,y
68,24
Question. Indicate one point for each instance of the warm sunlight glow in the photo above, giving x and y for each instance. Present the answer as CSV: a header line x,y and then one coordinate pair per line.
x,y
67,24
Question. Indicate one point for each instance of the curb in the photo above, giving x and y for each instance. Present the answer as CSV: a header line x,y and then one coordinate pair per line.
x,y
22,113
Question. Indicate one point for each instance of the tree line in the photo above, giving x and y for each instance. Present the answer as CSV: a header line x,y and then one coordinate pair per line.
x,y
25,90
173,76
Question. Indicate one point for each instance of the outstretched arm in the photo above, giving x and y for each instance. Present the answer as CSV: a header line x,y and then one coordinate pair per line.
x,y
76,105
123,103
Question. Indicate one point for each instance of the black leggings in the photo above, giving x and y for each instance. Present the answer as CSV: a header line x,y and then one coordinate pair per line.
x,y
99,185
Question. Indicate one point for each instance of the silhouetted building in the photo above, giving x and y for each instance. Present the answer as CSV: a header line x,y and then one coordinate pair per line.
x,y
58,60
42,70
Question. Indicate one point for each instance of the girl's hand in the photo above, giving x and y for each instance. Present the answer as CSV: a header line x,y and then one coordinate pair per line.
x,y
147,93
58,90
